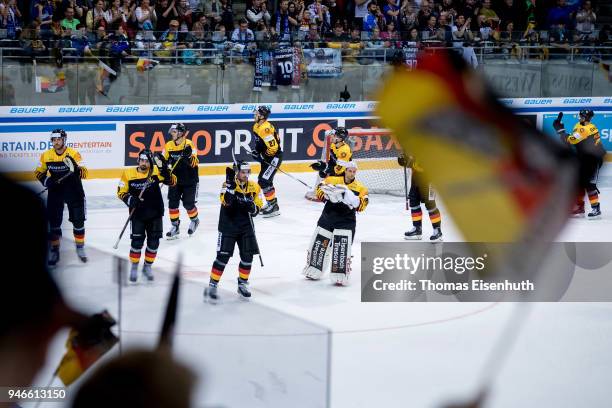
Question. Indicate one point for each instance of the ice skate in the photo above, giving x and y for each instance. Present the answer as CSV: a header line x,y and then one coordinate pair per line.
x,y
134,273
81,254
148,272
413,234
210,293
436,236
193,226
174,231
243,288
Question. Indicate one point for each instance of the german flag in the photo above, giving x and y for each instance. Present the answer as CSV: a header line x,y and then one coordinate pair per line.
x,y
85,346
500,180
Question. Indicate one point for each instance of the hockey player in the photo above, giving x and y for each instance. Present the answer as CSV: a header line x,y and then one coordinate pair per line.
x,y
267,152
139,190
587,142
415,199
183,160
340,154
61,171
240,201
343,197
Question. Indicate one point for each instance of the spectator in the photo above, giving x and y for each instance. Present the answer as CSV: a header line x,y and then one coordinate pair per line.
x,y
354,45
445,32
361,10
70,23
256,13
424,15
172,41
560,14
604,36
448,7
559,40
220,43
227,14
391,12
185,15
490,15
31,41
413,35
80,7
407,16
337,36
508,12
509,41
305,21
95,17
128,9
145,13
114,16
9,22
212,10
138,379
243,36
374,18
461,31
145,41
431,30
313,38
470,10
282,22
293,13
585,21
391,35
318,11
485,32
80,42
43,12
165,10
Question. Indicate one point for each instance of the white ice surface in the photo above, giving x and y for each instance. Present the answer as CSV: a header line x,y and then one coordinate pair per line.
x,y
383,355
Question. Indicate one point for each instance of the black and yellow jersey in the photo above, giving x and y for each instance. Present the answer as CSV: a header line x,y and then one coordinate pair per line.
x,y
233,219
185,169
52,165
133,181
339,158
340,211
585,138
268,141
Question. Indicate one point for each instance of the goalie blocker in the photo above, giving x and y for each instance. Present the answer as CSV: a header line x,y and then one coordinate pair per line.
x,y
343,197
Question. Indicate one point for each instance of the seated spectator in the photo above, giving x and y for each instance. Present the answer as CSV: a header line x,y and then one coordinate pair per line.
x,y
559,40
374,18
31,41
80,7
256,13
509,41
585,21
227,14
212,10
165,10
282,21
145,13
95,16
145,41
407,17
391,36
391,12
445,32
560,14
114,16
305,21
508,12
489,14
313,38
485,32
337,36
43,12
173,41
316,11
220,43
80,41
70,23
531,38
430,32
185,15
413,36
424,15
243,39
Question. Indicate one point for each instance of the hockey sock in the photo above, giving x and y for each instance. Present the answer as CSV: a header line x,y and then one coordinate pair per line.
x,y
435,217
580,200
270,194
54,238
593,198
79,237
174,214
193,213
217,269
150,255
244,269
417,215
135,255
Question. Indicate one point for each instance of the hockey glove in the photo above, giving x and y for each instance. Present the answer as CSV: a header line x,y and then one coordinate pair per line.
x,y
319,165
186,153
230,178
558,125
350,198
50,183
248,205
401,160
193,161
133,201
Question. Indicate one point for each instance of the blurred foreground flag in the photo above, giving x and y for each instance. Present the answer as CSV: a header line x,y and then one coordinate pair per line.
x,y
46,84
500,179
145,64
85,346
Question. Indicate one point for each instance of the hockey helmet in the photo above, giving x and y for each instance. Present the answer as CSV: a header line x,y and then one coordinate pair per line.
x,y
263,111
586,113
145,154
59,133
179,127
341,133
242,165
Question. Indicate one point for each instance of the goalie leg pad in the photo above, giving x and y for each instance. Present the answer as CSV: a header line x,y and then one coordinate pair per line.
x,y
342,241
317,258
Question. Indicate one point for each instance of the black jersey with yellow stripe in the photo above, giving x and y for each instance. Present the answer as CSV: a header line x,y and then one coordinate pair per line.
x,y
268,141
340,211
185,169
232,218
133,181
51,165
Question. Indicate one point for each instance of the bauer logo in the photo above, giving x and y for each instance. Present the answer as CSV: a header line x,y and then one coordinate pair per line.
x,y
27,110
538,102
173,108
122,109
212,108
74,109
298,107
343,106
506,101
581,101
607,101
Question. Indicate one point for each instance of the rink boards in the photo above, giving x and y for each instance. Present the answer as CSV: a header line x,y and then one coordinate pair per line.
x,y
109,137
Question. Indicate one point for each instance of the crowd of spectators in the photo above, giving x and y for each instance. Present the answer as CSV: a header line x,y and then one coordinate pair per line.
x,y
166,28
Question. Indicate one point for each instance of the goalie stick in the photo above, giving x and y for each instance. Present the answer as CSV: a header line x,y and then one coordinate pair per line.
x,y
277,168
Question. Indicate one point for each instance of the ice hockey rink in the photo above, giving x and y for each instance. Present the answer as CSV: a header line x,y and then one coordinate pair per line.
x,y
300,343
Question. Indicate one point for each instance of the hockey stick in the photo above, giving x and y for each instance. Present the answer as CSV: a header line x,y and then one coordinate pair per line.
x,y
279,169
406,188
250,218
70,165
147,184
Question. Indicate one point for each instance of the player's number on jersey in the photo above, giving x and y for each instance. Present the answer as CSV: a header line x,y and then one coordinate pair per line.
x,y
286,67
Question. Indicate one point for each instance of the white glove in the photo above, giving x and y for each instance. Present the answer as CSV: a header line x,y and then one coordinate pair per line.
x,y
332,193
351,199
